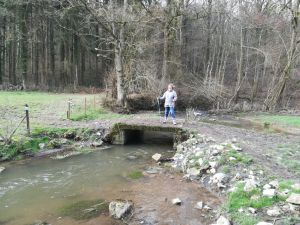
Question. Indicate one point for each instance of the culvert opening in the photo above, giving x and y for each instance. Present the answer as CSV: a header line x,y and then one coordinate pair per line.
x,y
124,134
132,137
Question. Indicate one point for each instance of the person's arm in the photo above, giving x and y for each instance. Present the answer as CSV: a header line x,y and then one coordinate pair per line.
x,y
175,97
163,97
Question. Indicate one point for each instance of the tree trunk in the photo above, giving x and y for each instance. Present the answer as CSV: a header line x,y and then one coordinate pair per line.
x,y
272,100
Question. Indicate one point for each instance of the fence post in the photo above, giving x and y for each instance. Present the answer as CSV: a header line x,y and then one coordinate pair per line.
x,y
27,119
69,109
94,102
85,106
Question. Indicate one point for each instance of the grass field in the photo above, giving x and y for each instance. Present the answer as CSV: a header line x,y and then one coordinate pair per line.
x,y
280,120
49,109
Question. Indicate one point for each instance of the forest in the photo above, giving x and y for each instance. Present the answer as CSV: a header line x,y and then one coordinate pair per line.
x,y
220,54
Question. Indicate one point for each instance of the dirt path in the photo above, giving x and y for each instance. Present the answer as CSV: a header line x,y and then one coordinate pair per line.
x,y
273,151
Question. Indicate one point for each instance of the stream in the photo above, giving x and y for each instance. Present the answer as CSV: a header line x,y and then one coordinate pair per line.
x,y
33,191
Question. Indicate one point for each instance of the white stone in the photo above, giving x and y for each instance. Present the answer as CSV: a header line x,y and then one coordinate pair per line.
x,y
294,199
97,143
213,171
240,210
207,208
193,171
200,161
119,209
267,186
223,221
2,169
274,184
236,148
296,186
215,152
176,201
250,185
237,176
42,146
156,157
232,159
219,178
275,211
269,193
213,164
252,210
233,140
264,223
199,205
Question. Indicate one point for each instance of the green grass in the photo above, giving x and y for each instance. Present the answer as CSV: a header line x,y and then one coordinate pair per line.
x,y
44,108
287,184
289,156
283,120
92,114
240,198
135,175
243,219
87,209
242,158
18,147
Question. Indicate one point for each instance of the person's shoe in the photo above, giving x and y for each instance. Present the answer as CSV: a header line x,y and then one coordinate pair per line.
x,y
174,122
164,121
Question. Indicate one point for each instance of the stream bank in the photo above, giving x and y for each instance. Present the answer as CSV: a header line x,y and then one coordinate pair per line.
x,y
252,194
220,162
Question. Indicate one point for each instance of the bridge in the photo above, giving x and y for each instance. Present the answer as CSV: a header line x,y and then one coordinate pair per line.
x,y
130,131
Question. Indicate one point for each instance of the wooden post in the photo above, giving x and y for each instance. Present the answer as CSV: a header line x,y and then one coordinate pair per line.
x,y
94,102
69,109
27,119
85,106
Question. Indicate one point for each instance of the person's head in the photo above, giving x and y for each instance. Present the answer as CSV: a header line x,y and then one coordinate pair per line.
x,y
171,87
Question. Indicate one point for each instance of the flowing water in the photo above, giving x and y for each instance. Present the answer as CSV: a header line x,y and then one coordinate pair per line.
x,y
35,190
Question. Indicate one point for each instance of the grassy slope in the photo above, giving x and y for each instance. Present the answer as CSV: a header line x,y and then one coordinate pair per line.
x,y
48,108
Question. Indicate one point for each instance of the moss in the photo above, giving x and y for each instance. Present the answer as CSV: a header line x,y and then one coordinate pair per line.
x,y
135,175
85,209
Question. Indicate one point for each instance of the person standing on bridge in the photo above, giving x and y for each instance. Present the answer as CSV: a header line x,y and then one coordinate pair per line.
x,y
170,97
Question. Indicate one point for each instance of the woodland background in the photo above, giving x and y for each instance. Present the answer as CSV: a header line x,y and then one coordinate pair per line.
x,y
220,54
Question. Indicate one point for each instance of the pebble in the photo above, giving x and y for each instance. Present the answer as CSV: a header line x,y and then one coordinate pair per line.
x,y
274,184
275,211
2,169
156,157
250,185
252,210
294,199
222,221
296,186
199,205
269,193
176,201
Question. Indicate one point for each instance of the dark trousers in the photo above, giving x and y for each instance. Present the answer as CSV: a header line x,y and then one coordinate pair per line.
x,y
171,110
